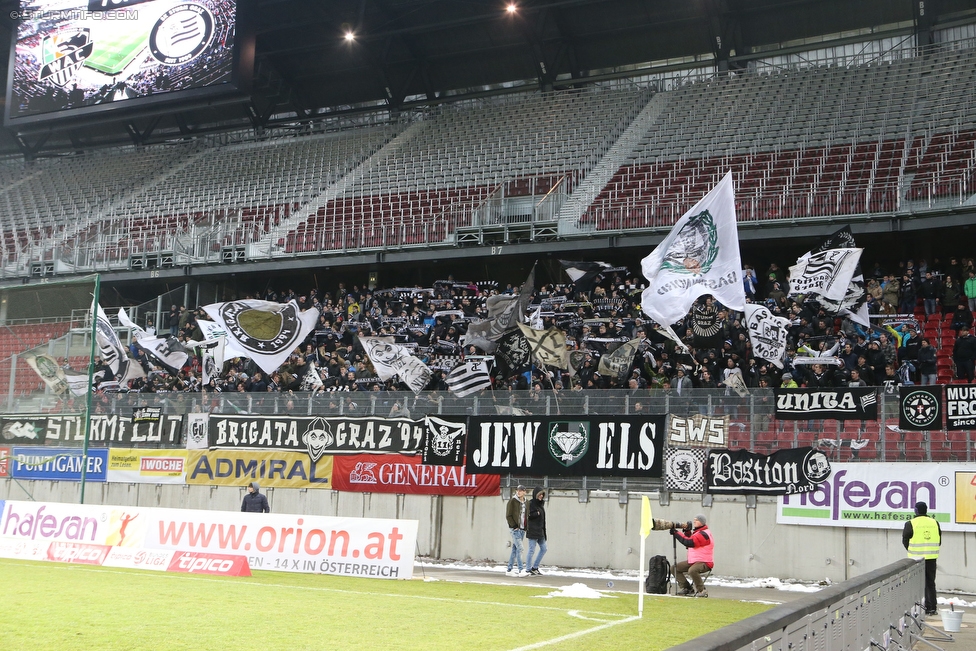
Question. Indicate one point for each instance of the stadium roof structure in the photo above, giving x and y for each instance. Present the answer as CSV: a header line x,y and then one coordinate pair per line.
x,y
320,58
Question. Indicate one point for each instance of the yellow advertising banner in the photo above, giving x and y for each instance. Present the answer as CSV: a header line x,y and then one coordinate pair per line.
x,y
150,466
966,497
274,468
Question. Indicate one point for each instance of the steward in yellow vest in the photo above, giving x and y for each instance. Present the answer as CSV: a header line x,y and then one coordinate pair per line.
x,y
922,537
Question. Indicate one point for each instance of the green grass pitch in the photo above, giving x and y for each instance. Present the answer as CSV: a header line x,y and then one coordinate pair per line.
x,y
67,607
113,55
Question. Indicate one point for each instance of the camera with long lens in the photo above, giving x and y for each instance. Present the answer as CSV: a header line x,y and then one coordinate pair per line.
x,y
667,525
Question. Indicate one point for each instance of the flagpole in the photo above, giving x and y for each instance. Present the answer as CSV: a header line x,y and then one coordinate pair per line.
x,y
646,524
91,377
640,580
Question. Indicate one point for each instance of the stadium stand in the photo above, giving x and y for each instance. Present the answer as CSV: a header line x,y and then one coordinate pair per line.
x,y
865,136
824,141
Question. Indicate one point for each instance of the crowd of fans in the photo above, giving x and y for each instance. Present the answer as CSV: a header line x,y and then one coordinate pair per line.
x,y
433,322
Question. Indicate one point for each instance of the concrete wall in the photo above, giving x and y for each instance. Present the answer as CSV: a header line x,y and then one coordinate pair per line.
x,y
600,533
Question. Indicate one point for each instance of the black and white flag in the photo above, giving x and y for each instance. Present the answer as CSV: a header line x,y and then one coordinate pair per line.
x,y
767,334
684,469
585,275
109,346
854,303
393,360
705,326
167,351
505,312
514,354
617,364
312,381
469,377
825,273
263,331
443,443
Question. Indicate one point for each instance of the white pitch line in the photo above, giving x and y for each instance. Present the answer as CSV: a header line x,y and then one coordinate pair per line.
x,y
571,636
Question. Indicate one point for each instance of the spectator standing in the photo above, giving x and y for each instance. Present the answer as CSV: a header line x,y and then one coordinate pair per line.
x,y
536,529
928,373
969,289
950,295
964,354
931,292
254,501
516,515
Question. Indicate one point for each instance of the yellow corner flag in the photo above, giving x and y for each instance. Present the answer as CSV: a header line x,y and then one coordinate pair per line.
x,y
645,516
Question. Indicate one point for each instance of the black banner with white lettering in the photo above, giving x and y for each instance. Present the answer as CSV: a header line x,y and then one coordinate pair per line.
x,y
559,446
920,407
785,472
853,403
106,431
317,436
960,406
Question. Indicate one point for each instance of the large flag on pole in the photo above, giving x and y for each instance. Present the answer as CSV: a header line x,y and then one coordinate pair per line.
x,y
111,349
584,274
699,256
617,364
265,331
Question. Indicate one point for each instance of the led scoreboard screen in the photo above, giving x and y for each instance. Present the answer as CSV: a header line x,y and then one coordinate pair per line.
x,y
73,57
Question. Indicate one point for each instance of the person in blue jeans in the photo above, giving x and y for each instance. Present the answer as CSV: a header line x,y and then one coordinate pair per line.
x,y
515,514
536,529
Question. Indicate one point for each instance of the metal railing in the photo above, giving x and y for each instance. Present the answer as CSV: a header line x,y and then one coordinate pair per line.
x,y
861,613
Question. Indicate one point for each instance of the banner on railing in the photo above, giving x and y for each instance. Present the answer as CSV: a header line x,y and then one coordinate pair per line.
x,y
317,436
740,472
684,469
883,496
406,474
960,407
920,407
698,431
853,403
4,462
138,466
271,468
207,542
58,464
145,428
591,445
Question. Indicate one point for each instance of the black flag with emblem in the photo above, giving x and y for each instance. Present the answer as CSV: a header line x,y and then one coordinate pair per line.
x,y
920,407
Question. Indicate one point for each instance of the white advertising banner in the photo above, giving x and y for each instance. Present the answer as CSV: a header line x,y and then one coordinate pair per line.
x,y
883,496
367,547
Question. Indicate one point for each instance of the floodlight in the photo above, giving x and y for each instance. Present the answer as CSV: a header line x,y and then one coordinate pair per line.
x,y
511,8
350,36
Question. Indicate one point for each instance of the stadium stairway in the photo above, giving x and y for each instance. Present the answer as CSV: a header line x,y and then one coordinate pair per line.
x,y
276,240
587,191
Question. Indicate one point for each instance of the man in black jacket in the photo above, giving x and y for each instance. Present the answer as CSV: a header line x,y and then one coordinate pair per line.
x,y
964,354
536,531
254,501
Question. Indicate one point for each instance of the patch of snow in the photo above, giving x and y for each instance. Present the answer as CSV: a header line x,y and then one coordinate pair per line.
x,y
575,591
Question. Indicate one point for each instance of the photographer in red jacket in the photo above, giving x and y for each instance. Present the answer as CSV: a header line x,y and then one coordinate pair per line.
x,y
701,548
